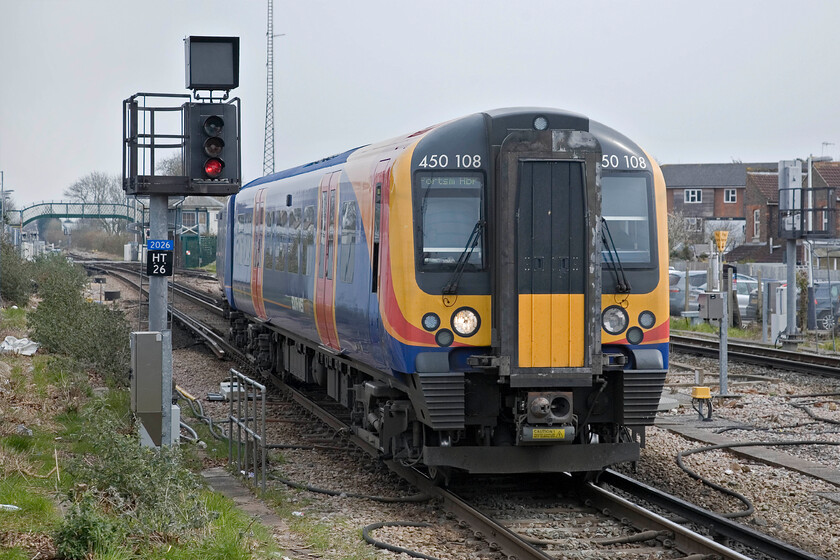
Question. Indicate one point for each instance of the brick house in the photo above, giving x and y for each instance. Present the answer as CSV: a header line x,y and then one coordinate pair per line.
x,y
761,206
711,196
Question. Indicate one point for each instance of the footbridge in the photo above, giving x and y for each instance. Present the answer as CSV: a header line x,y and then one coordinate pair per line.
x,y
129,210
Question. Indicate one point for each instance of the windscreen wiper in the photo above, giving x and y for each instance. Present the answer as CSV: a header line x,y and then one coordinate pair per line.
x,y
451,287
622,285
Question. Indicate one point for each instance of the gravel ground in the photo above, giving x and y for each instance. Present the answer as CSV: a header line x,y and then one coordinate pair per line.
x,y
793,507
331,525
789,505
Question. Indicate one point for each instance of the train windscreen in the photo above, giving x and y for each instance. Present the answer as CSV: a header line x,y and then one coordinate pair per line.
x,y
450,209
626,206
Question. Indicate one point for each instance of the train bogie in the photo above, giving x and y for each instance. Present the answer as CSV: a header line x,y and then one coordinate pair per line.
x,y
488,294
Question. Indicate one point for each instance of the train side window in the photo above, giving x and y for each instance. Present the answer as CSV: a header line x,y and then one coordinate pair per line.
x,y
294,253
292,238
307,248
280,254
270,240
347,241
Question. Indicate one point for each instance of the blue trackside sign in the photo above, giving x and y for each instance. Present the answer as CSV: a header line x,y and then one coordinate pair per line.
x,y
160,245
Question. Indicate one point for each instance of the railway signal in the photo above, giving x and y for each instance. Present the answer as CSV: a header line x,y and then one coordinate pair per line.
x,y
212,142
208,141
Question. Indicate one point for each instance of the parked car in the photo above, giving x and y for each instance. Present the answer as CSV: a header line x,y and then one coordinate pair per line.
x,y
826,304
751,312
743,285
676,281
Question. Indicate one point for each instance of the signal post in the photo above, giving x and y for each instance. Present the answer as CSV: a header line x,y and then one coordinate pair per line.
x,y
207,140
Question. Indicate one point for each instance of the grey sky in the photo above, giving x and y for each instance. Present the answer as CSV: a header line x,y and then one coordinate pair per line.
x,y
690,81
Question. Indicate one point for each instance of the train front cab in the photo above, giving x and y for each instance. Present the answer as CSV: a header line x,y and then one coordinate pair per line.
x,y
553,379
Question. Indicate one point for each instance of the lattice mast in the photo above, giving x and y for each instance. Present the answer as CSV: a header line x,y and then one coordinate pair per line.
x,y
268,149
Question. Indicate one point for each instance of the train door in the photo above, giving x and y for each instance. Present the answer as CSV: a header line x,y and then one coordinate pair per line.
x,y
326,260
550,257
381,185
547,296
257,255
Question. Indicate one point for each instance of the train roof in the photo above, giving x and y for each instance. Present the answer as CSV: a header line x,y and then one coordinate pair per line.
x,y
305,168
504,119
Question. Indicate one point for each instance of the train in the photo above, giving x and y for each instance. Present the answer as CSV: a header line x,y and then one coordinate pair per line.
x,y
485,295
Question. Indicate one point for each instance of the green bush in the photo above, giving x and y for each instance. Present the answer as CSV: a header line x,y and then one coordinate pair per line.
x,y
86,529
94,335
16,279
54,266
149,488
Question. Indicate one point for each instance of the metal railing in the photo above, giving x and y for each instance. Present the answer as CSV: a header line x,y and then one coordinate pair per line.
x,y
247,426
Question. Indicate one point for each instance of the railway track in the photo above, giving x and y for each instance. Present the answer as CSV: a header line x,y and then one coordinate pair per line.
x,y
646,533
588,521
758,354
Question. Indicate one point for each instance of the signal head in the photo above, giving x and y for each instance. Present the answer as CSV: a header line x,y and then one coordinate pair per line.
x,y
213,125
213,146
213,167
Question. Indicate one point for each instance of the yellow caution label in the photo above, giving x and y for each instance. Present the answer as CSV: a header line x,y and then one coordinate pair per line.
x,y
549,433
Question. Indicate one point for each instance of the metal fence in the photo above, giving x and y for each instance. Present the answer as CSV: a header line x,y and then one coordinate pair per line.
x,y
247,427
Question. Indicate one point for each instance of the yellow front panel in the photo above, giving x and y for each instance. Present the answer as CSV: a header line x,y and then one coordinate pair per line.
x,y
551,330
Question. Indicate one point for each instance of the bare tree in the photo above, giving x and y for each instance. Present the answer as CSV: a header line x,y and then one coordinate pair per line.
x,y
170,166
735,236
679,236
100,188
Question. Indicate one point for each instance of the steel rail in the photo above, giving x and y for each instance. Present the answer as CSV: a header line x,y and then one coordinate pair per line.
x,y
759,355
718,525
513,545
194,296
516,547
197,297
211,339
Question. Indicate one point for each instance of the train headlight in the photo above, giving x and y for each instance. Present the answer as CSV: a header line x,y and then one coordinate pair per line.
x,y
614,319
465,321
431,322
647,319
540,123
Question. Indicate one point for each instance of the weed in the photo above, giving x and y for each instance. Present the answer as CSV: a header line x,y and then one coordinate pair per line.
x,y
37,511
13,320
148,486
233,535
87,529
682,324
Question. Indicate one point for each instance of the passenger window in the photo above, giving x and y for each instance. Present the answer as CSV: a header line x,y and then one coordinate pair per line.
x,y
347,241
307,246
